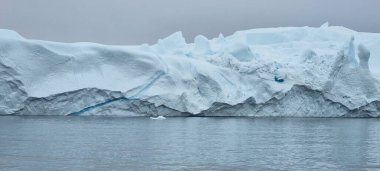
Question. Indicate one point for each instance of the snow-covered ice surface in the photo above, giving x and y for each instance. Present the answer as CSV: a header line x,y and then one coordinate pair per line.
x,y
293,71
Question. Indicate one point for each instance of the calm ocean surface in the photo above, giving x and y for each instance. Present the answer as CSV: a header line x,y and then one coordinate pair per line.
x,y
114,143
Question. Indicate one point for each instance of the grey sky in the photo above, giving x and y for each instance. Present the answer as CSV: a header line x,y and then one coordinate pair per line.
x,y
144,21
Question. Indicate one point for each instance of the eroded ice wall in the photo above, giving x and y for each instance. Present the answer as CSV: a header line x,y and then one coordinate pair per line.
x,y
295,71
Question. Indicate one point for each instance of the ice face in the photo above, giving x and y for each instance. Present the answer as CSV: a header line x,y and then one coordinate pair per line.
x,y
295,71
171,43
202,45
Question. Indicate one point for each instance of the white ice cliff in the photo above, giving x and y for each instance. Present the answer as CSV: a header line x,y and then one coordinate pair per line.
x,y
293,71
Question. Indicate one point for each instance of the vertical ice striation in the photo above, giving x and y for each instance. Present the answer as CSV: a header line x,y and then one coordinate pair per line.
x,y
351,53
364,55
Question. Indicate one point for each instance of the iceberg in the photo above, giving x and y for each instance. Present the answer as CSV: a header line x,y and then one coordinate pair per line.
x,y
329,71
158,118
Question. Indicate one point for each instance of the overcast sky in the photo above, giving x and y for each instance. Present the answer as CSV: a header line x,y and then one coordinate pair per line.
x,y
145,21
